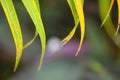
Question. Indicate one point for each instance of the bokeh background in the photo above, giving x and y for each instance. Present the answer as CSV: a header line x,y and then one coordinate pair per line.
x,y
99,58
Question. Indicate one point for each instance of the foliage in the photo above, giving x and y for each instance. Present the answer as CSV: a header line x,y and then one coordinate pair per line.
x,y
76,6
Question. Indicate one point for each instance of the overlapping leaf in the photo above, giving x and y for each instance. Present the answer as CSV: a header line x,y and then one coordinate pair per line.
x,y
108,25
34,13
118,3
80,12
108,12
36,33
104,7
76,20
76,7
12,18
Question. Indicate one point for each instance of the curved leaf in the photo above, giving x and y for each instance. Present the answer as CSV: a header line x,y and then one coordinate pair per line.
x,y
77,12
70,35
79,8
118,2
108,25
109,10
34,13
31,41
12,18
76,20
36,33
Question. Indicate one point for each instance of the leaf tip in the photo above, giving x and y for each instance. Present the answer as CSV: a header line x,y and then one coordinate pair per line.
x,y
117,30
39,68
76,54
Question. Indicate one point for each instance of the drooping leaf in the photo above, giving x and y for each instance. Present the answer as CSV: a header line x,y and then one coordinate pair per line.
x,y
103,10
70,35
12,18
31,41
76,20
109,10
104,6
79,8
34,13
118,3
73,10
36,33
77,12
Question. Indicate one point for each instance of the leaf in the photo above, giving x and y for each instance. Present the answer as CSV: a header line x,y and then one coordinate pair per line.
x,y
74,11
76,20
70,35
109,10
36,33
77,12
79,8
34,13
118,2
12,18
108,25
31,41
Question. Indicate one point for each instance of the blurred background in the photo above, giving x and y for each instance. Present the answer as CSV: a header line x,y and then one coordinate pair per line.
x,y
99,58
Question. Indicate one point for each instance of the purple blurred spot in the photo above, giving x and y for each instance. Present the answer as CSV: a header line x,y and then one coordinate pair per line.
x,y
55,50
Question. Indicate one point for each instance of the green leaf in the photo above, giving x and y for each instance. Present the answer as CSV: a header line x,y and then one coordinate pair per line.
x,y
70,35
77,12
34,13
109,10
12,18
74,11
103,10
31,41
118,2
79,8
76,20
104,6
36,33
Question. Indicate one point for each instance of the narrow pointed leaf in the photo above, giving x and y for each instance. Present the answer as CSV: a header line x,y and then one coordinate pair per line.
x,y
12,18
70,35
108,25
79,8
36,33
34,13
76,20
109,10
74,11
31,41
118,2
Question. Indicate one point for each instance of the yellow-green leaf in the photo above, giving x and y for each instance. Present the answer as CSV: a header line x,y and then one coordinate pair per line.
x,y
76,20
34,13
104,6
79,8
73,10
109,10
70,35
31,41
12,18
36,33
118,2
103,10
